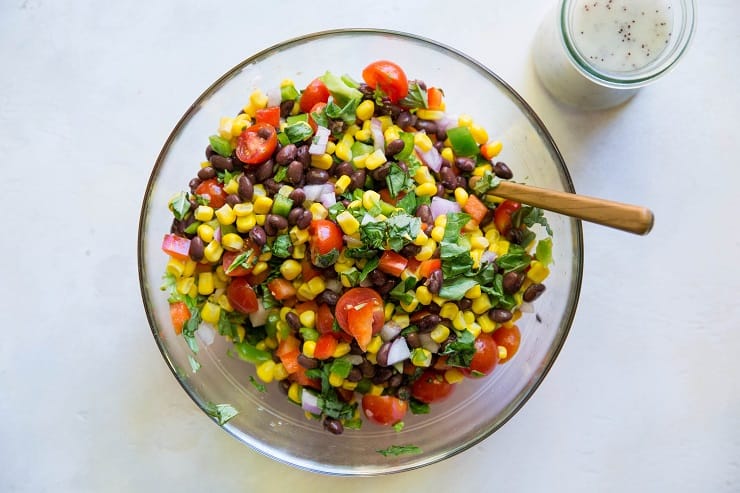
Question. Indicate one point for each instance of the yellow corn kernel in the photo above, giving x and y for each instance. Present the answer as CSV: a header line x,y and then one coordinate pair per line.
x,y
537,271
219,284
322,161
258,99
370,198
426,114
421,239
246,223
308,348
284,312
265,371
365,110
441,220
503,353
423,295
205,283
427,250
317,285
335,380
461,196
422,175
479,134
440,333
388,310
476,254
189,268
241,122
421,357
343,267
343,150
232,242
347,385
422,141
224,303
175,267
299,251
410,306
265,257
465,120
500,247
447,154
213,251
362,135
184,284
193,291
426,190
203,213
492,149
481,170
469,317
259,268
453,375
458,321
260,218
241,332
393,132
243,209
262,205
374,345
385,122
474,329
347,221
290,269
448,310
224,127
478,242
210,312
330,147
376,390
351,130
318,211
481,304
231,187
492,235
359,160
342,349
308,319
259,190
342,183
486,324
294,391
402,319
205,232
375,160
298,236
438,233
279,372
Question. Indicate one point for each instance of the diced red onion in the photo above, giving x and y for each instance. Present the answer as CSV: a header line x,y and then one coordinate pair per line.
x,y
318,144
428,343
527,307
431,158
217,234
354,359
488,256
376,128
206,333
310,402
334,285
446,122
314,192
441,206
259,317
328,199
390,330
399,351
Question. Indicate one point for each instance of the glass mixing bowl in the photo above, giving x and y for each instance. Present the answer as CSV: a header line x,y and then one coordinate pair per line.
x,y
267,421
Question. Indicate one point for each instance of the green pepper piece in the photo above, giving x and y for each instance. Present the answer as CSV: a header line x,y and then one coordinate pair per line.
x,y
359,148
462,141
273,317
281,205
288,93
339,90
251,354
300,117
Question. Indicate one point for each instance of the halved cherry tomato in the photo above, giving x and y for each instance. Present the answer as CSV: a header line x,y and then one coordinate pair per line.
x,y
324,320
315,92
269,115
214,191
240,270
389,77
510,338
241,296
475,208
317,108
325,346
434,98
325,237
428,266
392,263
179,313
502,215
256,144
485,357
384,409
431,386
356,297
176,246
281,288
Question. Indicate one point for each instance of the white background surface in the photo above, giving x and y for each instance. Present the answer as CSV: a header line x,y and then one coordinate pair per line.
x,y
644,396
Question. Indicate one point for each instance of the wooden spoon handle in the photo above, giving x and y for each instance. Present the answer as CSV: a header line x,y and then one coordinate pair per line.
x,y
632,218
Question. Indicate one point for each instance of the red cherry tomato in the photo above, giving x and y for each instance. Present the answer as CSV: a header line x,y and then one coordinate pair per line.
x,y
241,296
256,144
384,409
360,313
315,92
431,386
502,215
510,338
214,191
485,358
389,77
325,236
317,108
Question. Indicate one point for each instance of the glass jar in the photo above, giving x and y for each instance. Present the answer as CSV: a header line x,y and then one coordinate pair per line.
x,y
596,54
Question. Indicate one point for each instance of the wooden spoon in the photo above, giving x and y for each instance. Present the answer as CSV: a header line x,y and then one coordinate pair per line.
x,y
631,218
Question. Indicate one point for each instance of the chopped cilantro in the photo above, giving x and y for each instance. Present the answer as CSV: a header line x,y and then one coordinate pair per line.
x,y
326,259
418,407
257,385
245,259
516,259
402,229
529,216
221,412
408,203
370,266
396,450
398,426
282,246
416,97
398,180
180,205
461,351
298,132
486,183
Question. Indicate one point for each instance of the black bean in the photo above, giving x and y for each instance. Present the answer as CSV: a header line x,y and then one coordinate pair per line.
x,y
512,282
381,173
209,152
303,156
532,292
355,375
394,110
440,190
434,283
462,182
193,184
177,227
293,320
428,126
294,174
410,250
465,164
263,171
207,173
441,134
386,288
449,179
464,304
306,362
220,162
367,369
382,375
344,168
286,154
439,145
258,236
412,339
279,222
286,108
305,220
366,90
358,178
333,426
424,212
394,147
246,189
429,322
232,199
515,235
378,278
294,215
500,315
317,176
284,386
196,249
327,297
382,356
404,119
395,381
487,218
298,196
501,170
270,229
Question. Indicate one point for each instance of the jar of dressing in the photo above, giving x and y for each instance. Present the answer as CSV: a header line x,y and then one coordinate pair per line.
x,y
596,54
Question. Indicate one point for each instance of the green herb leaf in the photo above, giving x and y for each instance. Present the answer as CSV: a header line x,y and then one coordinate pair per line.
x,y
243,259
486,183
220,145
327,259
341,367
340,91
418,407
298,132
222,412
282,246
454,223
543,252
416,97
456,259
370,266
346,113
257,385
516,259
408,203
396,450
398,426
402,230
461,351
281,173
529,216
454,289
180,205
373,235
397,180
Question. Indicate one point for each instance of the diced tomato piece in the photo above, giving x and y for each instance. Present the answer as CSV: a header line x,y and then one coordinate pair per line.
x,y
241,296
475,208
213,191
360,324
357,297
300,377
176,246
428,266
324,320
281,288
256,144
387,76
180,314
269,115
325,346
306,306
288,351
413,266
392,263
308,271
502,215
385,196
510,338
228,259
